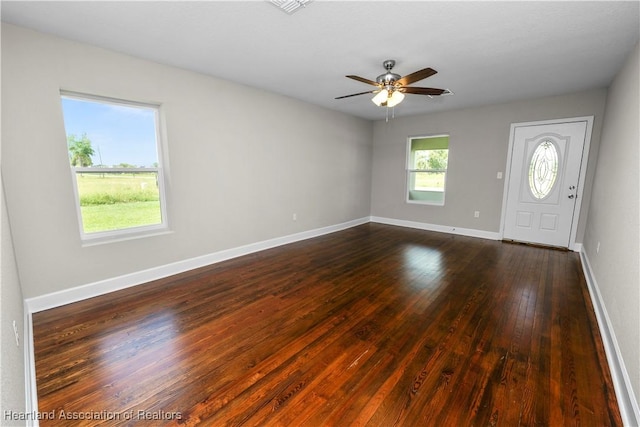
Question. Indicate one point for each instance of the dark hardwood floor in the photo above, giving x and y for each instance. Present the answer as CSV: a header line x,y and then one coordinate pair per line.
x,y
375,325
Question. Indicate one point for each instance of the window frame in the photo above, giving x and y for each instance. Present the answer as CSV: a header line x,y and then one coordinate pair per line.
x,y
410,171
129,232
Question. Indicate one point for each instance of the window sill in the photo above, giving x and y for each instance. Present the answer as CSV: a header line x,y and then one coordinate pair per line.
x,y
424,202
111,237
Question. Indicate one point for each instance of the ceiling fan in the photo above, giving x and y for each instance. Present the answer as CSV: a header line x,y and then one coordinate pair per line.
x,y
391,87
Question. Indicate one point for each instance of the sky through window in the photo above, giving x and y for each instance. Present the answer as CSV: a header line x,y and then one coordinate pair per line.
x,y
119,134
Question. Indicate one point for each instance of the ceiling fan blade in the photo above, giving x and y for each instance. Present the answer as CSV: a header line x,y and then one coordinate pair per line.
x,y
356,94
363,80
423,90
418,75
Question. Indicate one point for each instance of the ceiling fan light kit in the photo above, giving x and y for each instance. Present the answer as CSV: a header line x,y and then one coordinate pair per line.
x,y
391,87
386,98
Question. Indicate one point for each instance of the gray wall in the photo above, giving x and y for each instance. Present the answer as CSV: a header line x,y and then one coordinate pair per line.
x,y
614,216
241,162
12,380
12,356
477,152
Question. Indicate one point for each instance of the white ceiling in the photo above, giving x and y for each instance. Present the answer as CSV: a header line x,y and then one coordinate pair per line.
x,y
485,52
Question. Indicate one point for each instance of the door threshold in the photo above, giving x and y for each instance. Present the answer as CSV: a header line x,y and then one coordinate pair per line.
x,y
536,245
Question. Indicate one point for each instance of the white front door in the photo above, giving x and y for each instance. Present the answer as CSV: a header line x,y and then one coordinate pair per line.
x,y
545,180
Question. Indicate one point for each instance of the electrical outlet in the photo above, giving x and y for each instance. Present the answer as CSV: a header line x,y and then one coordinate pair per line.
x,y
15,331
499,175
476,214
295,216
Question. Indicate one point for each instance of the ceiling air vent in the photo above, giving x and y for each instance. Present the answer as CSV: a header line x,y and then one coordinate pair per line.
x,y
289,6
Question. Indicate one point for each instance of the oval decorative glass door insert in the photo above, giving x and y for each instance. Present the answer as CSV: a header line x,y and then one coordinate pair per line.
x,y
543,169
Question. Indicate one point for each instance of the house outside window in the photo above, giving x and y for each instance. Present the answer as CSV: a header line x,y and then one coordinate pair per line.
x,y
116,166
427,161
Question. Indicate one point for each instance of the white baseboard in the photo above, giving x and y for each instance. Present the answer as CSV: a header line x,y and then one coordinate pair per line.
x,y
629,410
30,386
67,296
439,228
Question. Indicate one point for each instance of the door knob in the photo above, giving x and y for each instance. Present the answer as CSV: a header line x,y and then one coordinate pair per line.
x,y
571,196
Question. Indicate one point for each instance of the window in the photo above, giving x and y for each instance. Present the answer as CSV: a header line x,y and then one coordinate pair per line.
x,y
114,154
543,169
427,169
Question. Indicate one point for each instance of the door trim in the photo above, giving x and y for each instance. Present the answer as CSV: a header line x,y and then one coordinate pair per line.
x,y
583,171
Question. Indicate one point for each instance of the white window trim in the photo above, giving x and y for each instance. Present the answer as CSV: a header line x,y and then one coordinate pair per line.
x,y
89,239
410,171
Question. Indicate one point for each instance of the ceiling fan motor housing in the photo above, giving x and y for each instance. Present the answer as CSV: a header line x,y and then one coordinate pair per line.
x,y
388,78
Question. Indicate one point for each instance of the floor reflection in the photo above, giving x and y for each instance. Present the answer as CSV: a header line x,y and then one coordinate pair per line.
x,y
424,266
133,357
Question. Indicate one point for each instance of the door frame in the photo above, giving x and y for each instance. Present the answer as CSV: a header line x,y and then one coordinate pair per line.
x,y
581,180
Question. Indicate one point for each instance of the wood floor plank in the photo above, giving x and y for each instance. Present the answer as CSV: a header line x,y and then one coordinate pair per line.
x,y
375,325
